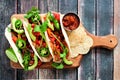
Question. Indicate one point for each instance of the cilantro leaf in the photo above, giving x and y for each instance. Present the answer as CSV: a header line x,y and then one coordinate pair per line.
x,y
41,28
58,65
37,28
44,26
33,15
26,59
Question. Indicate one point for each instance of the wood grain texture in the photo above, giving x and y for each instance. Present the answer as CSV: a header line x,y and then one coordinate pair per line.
x,y
5,69
28,4
86,11
48,5
96,16
47,65
116,74
104,27
66,6
45,6
24,6
6,11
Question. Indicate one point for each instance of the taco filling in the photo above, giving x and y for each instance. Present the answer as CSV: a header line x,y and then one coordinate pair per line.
x,y
60,50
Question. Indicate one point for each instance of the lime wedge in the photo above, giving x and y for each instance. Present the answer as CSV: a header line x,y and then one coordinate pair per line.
x,y
11,55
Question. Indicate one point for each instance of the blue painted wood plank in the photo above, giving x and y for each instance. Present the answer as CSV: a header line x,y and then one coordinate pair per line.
x,y
87,13
66,6
45,6
6,72
48,5
22,7
7,8
104,26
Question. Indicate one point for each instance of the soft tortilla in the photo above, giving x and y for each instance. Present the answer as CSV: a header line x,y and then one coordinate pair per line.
x,y
8,35
25,25
43,59
49,43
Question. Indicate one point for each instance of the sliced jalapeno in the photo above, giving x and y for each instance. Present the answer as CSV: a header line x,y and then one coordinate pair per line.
x,y
44,52
21,43
17,25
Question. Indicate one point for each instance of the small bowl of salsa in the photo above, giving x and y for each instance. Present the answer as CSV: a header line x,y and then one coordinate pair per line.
x,y
70,21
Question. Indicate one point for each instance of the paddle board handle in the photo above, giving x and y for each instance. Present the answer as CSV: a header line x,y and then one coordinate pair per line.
x,y
109,41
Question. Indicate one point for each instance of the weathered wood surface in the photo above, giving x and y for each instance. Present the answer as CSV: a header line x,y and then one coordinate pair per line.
x,y
104,57
24,6
100,17
86,11
46,6
6,11
64,7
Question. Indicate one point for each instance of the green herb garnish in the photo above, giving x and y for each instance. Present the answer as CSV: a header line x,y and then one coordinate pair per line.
x,y
41,28
50,18
26,59
33,15
58,65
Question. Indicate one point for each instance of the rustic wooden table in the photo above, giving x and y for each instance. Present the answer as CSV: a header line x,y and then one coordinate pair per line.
x,y
100,17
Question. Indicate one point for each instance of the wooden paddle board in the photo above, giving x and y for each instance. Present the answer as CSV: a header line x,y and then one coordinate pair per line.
x,y
109,42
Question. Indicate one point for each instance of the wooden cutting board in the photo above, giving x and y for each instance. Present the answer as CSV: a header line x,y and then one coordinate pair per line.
x,y
109,42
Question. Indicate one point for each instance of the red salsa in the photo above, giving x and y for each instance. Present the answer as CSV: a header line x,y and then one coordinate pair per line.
x,y
70,21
